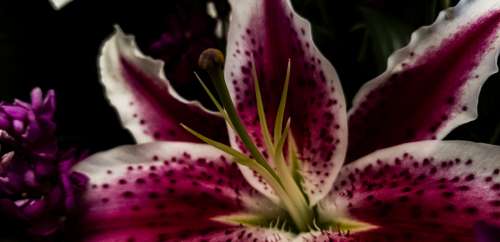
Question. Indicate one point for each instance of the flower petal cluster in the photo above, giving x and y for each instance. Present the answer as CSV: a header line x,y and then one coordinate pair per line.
x,y
400,182
37,186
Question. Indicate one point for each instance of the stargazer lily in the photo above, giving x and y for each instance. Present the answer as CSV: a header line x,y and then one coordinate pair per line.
x,y
282,178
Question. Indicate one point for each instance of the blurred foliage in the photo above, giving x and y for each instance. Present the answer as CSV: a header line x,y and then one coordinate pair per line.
x,y
58,49
382,35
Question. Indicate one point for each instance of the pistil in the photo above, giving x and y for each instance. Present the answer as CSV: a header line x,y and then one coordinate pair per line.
x,y
284,178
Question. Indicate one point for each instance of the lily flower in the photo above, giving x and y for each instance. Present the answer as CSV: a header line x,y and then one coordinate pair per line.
x,y
37,188
282,177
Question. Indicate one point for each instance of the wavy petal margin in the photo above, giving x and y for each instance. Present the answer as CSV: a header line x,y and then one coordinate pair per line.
x,y
167,191
269,33
432,85
423,191
147,104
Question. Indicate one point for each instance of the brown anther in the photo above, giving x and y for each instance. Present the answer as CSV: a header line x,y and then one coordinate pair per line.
x,y
211,58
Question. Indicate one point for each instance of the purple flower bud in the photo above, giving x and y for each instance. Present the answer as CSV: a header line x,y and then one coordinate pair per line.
x,y
37,187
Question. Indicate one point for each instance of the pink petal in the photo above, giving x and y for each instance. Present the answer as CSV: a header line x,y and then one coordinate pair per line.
x,y
432,85
269,33
164,191
423,191
147,104
221,235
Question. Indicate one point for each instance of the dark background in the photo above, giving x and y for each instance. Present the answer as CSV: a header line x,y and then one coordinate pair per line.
x,y
40,46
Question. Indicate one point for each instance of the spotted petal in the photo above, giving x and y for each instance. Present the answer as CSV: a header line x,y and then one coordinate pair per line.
x,y
168,191
323,236
423,191
147,104
432,85
269,33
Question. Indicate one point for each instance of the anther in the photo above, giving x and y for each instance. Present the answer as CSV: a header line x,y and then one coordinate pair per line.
x,y
210,59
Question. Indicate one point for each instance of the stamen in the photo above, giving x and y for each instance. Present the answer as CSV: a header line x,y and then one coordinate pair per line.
x,y
276,150
278,158
212,61
236,154
281,108
214,101
295,193
315,226
282,182
244,218
209,93
294,162
242,159
283,137
261,113
345,225
275,220
287,178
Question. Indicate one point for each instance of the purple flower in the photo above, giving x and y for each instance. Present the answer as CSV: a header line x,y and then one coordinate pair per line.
x,y
283,178
37,187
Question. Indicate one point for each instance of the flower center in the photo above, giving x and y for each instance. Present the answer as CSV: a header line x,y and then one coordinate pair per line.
x,y
284,177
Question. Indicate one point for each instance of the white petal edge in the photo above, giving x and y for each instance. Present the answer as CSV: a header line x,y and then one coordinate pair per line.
x,y
240,17
119,94
423,39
